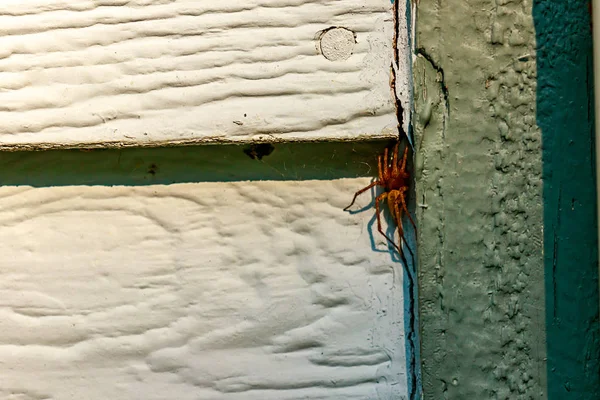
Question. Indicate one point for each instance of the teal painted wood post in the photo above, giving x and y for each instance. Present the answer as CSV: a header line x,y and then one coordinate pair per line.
x,y
565,115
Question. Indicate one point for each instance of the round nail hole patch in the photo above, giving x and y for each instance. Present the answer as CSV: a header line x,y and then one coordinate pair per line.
x,y
337,44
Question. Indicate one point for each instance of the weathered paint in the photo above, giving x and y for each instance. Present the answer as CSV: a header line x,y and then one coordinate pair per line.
x,y
479,201
565,115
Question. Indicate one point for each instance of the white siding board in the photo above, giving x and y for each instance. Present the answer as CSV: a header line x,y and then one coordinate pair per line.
x,y
114,73
262,290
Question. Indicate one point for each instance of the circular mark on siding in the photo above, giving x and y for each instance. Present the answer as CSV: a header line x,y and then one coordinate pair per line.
x,y
337,43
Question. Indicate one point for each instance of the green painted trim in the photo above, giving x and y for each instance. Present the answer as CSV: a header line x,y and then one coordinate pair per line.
x,y
565,115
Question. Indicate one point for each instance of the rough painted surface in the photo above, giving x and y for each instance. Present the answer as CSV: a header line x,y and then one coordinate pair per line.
x,y
214,290
565,114
114,73
479,189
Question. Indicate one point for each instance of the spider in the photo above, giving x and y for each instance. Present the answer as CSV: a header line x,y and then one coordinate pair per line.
x,y
394,178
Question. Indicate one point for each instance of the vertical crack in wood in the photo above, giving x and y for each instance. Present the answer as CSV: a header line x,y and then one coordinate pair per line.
x,y
411,335
393,68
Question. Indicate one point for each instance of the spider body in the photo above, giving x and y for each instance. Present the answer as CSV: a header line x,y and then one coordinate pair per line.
x,y
395,180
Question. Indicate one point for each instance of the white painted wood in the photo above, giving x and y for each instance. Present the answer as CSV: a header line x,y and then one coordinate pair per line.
x,y
264,290
152,72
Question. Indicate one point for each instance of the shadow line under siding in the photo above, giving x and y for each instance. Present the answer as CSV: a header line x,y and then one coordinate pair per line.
x,y
187,164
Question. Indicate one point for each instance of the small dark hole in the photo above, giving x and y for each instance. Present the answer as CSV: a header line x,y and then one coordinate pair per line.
x,y
258,151
152,169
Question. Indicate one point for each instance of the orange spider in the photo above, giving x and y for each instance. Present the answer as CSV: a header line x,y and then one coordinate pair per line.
x,y
394,178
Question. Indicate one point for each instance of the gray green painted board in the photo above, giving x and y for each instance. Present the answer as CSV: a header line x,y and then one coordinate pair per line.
x,y
479,201
500,318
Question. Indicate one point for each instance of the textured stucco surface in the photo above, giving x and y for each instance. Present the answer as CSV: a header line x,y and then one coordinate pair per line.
x,y
479,193
122,278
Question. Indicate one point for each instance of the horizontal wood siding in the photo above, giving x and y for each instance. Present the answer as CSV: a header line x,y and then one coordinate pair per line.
x,y
239,290
114,73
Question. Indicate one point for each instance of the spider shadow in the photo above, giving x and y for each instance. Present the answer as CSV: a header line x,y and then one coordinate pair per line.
x,y
390,229
370,205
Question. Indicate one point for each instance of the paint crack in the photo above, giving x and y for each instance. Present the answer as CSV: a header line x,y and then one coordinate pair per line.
x,y
443,86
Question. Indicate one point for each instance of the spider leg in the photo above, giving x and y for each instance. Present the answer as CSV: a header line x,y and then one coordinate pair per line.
x,y
385,171
380,165
361,191
398,218
398,213
380,198
395,160
405,209
404,157
394,206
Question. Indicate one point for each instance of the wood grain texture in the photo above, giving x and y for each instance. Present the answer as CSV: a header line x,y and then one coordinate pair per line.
x,y
118,73
239,290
